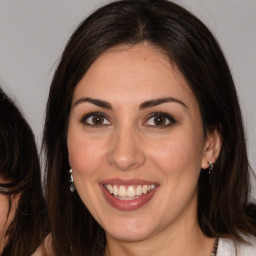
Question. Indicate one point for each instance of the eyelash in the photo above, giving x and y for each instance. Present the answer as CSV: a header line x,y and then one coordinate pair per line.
x,y
84,119
161,115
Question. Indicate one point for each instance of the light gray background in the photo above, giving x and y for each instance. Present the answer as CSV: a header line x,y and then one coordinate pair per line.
x,y
34,32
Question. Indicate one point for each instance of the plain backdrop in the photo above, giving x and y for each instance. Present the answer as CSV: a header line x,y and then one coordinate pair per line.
x,y
33,34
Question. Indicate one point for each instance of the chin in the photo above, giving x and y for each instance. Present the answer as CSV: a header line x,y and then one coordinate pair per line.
x,y
130,231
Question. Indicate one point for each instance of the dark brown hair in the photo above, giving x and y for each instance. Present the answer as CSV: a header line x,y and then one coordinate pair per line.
x,y
192,47
19,164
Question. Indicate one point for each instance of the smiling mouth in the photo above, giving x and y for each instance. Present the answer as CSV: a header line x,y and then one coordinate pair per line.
x,y
131,192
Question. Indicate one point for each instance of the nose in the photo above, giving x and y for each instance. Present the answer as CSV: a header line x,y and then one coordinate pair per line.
x,y
126,151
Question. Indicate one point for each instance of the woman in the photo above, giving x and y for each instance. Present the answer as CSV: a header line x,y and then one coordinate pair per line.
x,y
23,222
144,139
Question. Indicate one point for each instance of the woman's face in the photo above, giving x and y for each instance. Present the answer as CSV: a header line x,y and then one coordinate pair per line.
x,y
136,144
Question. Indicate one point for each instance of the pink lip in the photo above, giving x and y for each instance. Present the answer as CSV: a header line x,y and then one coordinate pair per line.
x,y
127,205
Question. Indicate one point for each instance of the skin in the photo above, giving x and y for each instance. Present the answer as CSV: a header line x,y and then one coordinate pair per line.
x,y
129,145
5,218
45,248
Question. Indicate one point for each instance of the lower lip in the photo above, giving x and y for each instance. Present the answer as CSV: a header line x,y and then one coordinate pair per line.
x,y
127,205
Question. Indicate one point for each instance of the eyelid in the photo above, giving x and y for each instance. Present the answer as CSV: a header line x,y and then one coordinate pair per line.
x,y
169,117
91,114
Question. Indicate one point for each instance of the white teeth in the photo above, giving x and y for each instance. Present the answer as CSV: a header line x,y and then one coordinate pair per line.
x,y
115,190
152,187
129,193
122,191
110,189
145,189
139,191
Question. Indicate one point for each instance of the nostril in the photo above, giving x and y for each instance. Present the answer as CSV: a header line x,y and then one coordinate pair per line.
x,y
126,162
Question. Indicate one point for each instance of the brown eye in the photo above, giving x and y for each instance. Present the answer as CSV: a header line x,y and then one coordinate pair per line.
x,y
160,119
95,119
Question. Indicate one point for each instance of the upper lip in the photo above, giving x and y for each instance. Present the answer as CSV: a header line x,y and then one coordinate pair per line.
x,y
127,182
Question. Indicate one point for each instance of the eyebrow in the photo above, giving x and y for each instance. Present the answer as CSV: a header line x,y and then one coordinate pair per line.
x,y
156,102
144,105
99,103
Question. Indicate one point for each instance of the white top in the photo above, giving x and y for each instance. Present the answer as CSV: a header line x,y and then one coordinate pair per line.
x,y
228,247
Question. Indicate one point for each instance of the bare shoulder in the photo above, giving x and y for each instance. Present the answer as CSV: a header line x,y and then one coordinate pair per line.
x,y
38,252
45,248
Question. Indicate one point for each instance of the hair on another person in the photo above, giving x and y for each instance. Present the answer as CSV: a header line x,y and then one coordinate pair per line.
x,y
19,164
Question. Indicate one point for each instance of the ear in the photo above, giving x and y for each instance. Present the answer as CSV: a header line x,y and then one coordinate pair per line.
x,y
212,148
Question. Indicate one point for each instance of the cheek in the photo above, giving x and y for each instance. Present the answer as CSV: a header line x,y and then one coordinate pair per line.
x,y
4,207
86,159
178,159
179,153
85,153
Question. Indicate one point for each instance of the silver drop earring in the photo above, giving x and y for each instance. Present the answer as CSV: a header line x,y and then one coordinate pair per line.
x,y
71,182
210,169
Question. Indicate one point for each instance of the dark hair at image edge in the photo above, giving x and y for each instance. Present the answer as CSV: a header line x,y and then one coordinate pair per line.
x,y
19,163
192,48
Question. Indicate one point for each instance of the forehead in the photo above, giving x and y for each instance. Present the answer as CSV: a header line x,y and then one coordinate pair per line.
x,y
141,71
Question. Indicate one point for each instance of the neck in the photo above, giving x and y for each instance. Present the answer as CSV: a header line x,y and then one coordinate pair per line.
x,y
185,241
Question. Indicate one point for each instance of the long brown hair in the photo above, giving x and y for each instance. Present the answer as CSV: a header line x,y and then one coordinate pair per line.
x,y
222,200
19,164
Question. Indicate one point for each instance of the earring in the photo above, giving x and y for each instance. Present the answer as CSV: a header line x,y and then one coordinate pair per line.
x,y
210,168
71,182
